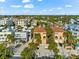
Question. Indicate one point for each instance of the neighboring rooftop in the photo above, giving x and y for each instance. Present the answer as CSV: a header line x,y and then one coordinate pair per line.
x,y
39,29
57,29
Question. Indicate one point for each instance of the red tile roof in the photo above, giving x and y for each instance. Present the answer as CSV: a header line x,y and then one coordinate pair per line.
x,y
39,29
57,29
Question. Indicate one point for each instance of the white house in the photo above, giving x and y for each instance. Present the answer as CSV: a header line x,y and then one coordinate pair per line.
x,y
3,36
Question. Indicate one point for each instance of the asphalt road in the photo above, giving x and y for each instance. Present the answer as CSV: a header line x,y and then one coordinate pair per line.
x,y
15,58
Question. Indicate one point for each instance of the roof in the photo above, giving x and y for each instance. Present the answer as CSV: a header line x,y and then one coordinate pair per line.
x,y
57,29
39,29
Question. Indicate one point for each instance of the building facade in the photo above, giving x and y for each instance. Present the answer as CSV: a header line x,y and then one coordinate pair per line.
x,y
42,33
58,34
25,36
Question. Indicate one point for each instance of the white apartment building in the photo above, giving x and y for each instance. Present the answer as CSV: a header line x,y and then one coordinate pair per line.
x,y
6,21
3,22
21,36
21,22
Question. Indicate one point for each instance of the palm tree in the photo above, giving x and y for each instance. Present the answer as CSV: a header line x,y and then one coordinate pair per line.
x,y
28,53
32,46
52,44
38,38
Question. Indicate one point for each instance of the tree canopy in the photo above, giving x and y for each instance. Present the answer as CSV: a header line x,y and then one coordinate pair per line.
x,y
5,53
28,53
38,38
10,38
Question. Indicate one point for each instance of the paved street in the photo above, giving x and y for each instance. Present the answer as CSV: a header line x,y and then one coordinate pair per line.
x,y
62,51
15,58
19,50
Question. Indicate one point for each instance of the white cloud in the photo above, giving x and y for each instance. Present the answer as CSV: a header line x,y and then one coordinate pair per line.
x,y
44,10
59,8
16,6
25,11
50,9
2,0
3,12
68,5
25,1
1,7
47,10
29,6
40,0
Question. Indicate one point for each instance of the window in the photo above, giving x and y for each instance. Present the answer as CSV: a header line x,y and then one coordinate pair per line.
x,y
75,33
60,37
5,35
56,37
44,37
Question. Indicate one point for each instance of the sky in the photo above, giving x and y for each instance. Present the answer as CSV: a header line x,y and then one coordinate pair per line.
x,y
39,7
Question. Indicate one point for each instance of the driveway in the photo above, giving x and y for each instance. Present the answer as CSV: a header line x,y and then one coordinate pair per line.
x,y
43,52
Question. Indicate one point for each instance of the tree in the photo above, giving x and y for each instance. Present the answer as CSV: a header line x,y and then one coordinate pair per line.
x,y
19,28
69,38
32,46
38,38
51,41
53,46
28,53
77,57
58,57
68,35
5,53
73,57
10,38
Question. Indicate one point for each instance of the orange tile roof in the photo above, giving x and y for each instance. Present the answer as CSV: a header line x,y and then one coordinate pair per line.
x,y
39,29
57,29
